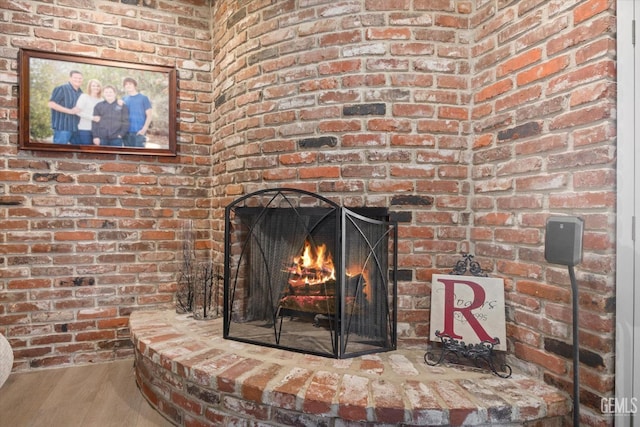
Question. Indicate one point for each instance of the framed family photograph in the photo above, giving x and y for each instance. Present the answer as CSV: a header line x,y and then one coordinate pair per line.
x,y
76,103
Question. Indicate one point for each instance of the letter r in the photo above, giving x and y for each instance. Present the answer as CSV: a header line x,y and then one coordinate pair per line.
x,y
467,312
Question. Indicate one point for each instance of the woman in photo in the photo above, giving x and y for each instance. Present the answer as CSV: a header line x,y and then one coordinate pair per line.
x,y
86,103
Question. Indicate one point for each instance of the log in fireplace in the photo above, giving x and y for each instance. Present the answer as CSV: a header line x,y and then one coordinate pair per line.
x,y
305,274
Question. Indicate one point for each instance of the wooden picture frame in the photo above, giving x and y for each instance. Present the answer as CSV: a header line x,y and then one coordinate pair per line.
x,y
46,77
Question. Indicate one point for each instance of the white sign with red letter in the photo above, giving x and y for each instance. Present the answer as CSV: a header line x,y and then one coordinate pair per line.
x,y
468,308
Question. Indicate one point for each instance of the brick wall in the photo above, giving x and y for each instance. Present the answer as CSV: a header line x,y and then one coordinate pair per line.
x,y
543,143
87,238
473,121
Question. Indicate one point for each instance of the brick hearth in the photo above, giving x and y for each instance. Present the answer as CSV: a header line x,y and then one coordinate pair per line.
x,y
196,378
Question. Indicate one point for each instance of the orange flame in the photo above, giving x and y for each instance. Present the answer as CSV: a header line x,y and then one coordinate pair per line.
x,y
315,268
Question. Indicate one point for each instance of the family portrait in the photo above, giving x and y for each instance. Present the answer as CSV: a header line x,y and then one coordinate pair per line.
x,y
72,103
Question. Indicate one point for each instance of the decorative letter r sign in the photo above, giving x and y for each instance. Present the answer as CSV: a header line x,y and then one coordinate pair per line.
x,y
468,308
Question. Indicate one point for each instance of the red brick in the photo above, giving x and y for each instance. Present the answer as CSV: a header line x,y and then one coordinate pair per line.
x,y
519,62
340,126
228,380
47,362
580,76
72,303
494,218
411,172
187,403
284,395
380,5
593,134
119,322
545,182
596,49
413,316
28,284
74,235
522,334
321,392
363,140
319,172
592,93
388,34
192,422
483,141
594,178
544,143
542,71
416,80
156,299
413,110
7,175
551,362
451,21
388,403
97,313
544,291
391,187
95,336
581,33
511,268
539,323
522,97
462,410
451,82
454,113
412,48
423,140
588,10
451,187
298,158
353,398
364,171
389,125
519,202
254,385
439,126
494,90
582,200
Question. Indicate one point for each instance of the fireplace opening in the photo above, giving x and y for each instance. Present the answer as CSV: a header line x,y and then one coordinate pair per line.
x,y
305,274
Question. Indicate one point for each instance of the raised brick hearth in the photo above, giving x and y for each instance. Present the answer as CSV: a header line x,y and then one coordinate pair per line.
x,y
194,377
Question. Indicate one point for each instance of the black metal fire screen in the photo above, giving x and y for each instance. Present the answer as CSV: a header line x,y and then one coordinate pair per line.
x,y
305,274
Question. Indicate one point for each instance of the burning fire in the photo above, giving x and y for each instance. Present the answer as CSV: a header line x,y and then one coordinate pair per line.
x,y
313,273
313,276
313,268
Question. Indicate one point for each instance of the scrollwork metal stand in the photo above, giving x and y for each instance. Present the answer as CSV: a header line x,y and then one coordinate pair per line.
x,y
467,263
477,353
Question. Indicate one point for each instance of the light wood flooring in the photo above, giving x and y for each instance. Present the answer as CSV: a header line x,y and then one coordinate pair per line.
x,y
99,395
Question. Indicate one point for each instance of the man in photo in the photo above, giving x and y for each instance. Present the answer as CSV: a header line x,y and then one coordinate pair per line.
x,y
64,113
140,111
113,120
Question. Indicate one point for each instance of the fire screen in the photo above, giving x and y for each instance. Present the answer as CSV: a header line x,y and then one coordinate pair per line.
x,y
304,274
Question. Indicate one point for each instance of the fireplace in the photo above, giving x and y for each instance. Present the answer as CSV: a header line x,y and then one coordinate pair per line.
x,y
305,274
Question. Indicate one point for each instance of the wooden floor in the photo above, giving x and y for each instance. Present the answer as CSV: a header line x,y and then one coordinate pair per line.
x,y
95,395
